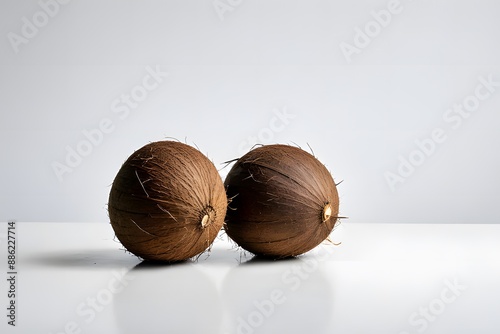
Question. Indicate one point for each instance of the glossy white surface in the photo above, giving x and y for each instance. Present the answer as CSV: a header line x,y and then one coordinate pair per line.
x,y
382,278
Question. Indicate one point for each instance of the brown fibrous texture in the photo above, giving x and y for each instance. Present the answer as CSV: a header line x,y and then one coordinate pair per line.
x,y
167,202
283,201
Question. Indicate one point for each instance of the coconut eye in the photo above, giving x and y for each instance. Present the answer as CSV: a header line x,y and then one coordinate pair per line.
x,y
284,201
167,202
204,221
327,212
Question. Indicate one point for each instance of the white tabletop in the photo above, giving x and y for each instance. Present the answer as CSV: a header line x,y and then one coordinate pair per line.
x,y
381,278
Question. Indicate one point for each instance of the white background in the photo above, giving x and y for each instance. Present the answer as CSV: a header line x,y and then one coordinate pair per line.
x,y
229,72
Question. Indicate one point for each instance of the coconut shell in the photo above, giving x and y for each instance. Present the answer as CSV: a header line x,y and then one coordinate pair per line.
x,y
283,201
167,202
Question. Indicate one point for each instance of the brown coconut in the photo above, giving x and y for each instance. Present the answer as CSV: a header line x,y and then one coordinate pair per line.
x,y
167,202
283,201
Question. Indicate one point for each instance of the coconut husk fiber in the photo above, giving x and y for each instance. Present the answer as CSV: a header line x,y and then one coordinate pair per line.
x,y
167,202
283,201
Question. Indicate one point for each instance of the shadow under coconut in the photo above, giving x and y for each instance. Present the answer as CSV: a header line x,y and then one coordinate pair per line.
x,y
290,295
259,259
168,298
91,258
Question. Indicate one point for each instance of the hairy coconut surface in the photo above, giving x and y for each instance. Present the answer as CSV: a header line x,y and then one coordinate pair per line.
x,y
283,201
167,202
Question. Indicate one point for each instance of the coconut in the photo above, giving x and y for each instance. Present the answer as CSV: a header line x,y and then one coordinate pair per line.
x,y
283,201
167,202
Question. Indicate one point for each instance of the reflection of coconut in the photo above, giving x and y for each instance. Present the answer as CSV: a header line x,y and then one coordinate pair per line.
x,y
287,296
168,299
